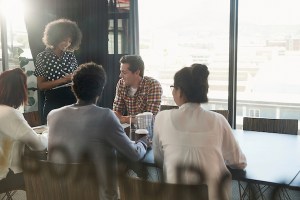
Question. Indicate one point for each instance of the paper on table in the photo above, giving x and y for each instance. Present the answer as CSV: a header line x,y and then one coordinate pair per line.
x,y
125,125
40,129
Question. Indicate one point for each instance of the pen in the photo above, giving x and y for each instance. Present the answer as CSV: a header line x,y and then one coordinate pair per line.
x,y
64,72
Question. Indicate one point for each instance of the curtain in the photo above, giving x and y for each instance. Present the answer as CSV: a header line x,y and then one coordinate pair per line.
x,y
91,17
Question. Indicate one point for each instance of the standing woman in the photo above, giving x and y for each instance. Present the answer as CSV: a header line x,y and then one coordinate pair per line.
x,y
14,129
55,65
192,141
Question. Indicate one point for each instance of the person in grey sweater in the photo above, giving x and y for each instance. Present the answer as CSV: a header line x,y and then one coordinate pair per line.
x,y
84,131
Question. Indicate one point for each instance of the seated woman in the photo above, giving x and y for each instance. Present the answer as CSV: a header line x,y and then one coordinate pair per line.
x,y
15,132
194,145
85,132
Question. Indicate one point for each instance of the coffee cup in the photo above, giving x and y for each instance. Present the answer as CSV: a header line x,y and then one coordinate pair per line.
x,y
145,121
139,133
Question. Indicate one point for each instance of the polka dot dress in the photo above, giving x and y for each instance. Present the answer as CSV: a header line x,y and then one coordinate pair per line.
x,y
52,67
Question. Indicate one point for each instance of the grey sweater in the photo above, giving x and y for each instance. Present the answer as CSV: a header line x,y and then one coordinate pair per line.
x,y
93,133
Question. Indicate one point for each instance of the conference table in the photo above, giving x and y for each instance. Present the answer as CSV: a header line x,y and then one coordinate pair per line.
x,y
272,158
295,184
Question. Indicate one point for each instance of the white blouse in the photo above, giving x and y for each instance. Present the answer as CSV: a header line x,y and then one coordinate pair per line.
x,y
196,142
14,134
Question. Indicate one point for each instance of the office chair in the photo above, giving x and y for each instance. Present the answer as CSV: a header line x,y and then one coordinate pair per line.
x,y
167,107
33,118
225,113
136,188
9,189
48,181
283,126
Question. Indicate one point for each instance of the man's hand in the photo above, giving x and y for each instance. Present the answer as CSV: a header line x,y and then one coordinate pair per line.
x,y
123,119
118,114
146,141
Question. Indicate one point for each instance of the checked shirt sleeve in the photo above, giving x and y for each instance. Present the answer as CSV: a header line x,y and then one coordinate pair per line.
x,y
119,104
154,97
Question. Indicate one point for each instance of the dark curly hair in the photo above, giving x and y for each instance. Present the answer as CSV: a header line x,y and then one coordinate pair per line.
x,y
135,63
193,82
58,30
88,81
13,88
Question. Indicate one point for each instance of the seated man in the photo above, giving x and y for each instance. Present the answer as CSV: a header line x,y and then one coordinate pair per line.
x,y
135,93
84,131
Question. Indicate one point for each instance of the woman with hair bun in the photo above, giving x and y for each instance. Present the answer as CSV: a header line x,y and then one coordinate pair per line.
x,y
194,145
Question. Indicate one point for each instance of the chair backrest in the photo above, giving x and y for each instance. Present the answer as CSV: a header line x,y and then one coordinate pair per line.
x,y
135,188
48,181
167,107
8,185
225,113
285,126
33,118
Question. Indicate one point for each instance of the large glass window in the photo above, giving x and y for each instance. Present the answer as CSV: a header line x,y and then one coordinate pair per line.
x,y
16,46
268,59
17,39
175,33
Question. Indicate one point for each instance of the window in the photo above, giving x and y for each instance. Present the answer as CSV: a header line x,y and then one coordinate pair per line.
x,y
118,27
175,34
268,59
16,39
16,34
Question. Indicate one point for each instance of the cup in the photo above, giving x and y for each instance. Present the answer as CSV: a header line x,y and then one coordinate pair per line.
x,y
139,133
145,121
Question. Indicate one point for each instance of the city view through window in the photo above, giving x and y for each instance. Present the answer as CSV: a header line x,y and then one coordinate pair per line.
x,y
176,34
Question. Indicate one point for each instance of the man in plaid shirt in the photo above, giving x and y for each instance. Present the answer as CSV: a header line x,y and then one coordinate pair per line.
x,y
135,93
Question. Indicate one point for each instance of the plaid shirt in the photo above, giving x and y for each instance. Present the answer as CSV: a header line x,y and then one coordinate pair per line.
x,y
146,99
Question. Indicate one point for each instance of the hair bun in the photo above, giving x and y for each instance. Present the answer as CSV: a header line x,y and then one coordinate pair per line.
x,y
199,73
199,70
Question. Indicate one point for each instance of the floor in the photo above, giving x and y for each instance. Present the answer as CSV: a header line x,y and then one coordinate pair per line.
x,y
294,195
19,195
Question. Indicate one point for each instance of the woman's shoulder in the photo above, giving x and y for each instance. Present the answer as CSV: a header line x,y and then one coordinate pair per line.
x,y
70,53
216,114
9,110
164,113
44,53
8,113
